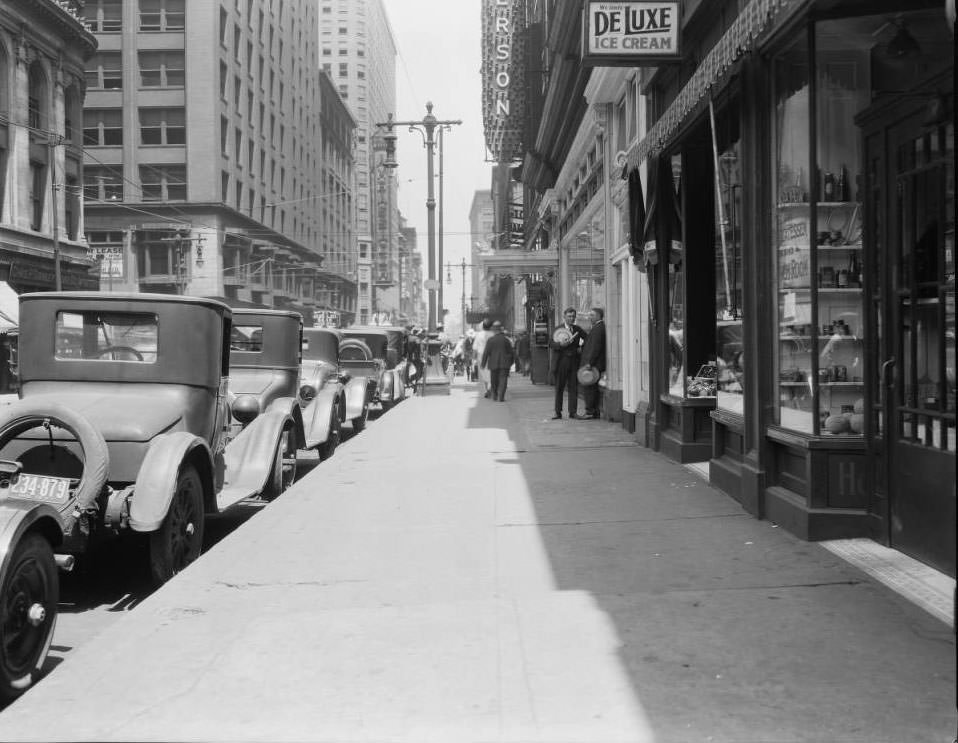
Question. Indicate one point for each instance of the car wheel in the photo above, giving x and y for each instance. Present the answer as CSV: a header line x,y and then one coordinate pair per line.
x,y
359,423
327,448
28,614
284,464
179,539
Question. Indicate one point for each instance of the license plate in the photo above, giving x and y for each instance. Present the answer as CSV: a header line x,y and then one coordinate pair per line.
x,y
41,488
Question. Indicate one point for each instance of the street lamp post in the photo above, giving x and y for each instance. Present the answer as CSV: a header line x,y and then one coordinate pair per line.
x,y
462,266
426,129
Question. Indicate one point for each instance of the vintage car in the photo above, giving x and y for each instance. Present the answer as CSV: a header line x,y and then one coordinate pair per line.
x,y
122,423
321,375
366,351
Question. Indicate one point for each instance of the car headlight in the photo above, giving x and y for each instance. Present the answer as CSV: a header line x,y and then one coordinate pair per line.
x,y
245,408
307,393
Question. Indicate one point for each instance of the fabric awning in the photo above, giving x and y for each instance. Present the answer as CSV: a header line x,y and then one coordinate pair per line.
x,y
636,218
734,44
9,307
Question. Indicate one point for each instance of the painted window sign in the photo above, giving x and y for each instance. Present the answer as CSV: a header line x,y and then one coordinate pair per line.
x,y
623,29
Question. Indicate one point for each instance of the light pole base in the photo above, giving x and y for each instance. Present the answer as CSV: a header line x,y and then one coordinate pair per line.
x,y
436,379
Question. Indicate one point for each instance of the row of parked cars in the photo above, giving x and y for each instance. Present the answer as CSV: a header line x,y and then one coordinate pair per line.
x,y
148,412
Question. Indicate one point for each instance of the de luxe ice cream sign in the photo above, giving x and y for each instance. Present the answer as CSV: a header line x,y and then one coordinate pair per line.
x,y
619,32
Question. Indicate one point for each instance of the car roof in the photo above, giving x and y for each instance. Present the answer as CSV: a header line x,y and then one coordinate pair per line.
x,y
130,296
238,312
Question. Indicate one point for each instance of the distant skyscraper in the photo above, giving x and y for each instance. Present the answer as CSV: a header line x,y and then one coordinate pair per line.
x,y
205,169
358,52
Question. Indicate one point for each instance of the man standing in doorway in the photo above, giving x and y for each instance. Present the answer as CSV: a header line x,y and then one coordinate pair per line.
x,y
566,359
593,354
498,358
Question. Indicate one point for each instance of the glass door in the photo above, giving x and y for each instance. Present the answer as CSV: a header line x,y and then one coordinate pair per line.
x,y
920,401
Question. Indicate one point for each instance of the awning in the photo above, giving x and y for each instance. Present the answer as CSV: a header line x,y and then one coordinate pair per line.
x,y
9,307
734,44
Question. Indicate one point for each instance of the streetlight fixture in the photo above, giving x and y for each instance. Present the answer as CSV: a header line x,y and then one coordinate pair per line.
x,y
462,266
426,128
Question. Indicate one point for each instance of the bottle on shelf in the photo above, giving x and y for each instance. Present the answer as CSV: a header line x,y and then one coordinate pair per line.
x,y
841,187
828,186
854,269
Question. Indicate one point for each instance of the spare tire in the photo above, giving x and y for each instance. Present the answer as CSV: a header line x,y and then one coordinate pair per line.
x,y
25,415
354,349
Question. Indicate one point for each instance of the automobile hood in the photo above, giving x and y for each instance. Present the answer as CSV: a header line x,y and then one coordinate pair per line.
x,y
138,418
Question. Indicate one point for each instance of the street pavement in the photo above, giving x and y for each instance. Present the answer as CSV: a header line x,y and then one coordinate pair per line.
x,y
469,570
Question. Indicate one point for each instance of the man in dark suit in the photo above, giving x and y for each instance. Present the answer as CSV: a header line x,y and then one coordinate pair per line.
x,y
593,354
566,364
498,358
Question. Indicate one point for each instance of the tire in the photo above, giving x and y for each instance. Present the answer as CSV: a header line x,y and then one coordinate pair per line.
x,y
327,448
283,473
96,458
359,424
387,405
179,540
28,614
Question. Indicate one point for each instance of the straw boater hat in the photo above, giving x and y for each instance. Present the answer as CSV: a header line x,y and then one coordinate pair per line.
x,y
587,375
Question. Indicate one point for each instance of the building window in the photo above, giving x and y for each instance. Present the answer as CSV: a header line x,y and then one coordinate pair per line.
x,y
37,97
343,69
102,127
163,182
224,186
162,69
162,126
162,15
102,184
238,147
104,16
104,71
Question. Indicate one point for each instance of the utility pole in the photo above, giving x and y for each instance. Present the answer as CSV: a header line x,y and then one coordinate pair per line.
x,y
53,141
462,305
426,128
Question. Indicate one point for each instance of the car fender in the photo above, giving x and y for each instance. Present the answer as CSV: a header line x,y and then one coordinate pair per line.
x,y
249,457
356,397
17,517
156,480
318,415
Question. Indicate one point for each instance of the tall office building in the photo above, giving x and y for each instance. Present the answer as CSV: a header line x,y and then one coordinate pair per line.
x,y
358,52
205,169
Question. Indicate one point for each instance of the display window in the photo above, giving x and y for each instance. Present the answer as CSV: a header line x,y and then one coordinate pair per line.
x,y
729,349
821,82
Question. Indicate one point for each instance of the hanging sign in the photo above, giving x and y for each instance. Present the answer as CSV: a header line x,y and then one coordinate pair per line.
x,y
623,32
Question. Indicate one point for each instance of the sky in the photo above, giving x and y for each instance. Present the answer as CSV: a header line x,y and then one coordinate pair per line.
x,y
438,60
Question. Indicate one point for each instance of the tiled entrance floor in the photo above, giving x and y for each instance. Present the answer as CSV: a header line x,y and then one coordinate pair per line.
x,y
922,585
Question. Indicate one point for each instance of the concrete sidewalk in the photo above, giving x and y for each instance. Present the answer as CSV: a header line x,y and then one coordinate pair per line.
x,y
467,570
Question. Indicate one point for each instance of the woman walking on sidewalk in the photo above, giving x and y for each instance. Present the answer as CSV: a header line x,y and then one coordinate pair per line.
x,y
478,346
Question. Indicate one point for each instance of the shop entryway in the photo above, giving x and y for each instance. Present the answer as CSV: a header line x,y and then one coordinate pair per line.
x,y
911,174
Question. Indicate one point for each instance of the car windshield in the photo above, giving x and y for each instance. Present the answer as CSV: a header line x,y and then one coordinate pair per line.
x,y
246,338
106,336
320,347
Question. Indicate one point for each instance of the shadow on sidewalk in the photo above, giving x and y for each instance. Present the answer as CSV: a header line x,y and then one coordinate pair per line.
x,y
758,632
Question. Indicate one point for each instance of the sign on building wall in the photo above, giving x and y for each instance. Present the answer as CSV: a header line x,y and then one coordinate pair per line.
x,y
503,77
626,32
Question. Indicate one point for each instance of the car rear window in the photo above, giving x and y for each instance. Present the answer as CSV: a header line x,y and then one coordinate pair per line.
x,y
106,336
247,338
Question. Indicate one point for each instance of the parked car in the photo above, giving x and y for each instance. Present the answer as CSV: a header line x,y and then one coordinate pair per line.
x,y
264,374
368,348
322,379
123,422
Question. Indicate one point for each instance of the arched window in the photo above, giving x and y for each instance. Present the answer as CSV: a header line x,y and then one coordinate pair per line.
x,y
72,116
37,103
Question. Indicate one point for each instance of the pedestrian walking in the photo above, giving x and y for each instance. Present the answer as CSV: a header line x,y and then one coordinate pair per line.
x,y
565,352
478,347
497,358
414,354
593,354
523,353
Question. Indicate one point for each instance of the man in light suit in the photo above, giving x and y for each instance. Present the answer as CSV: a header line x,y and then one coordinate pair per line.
x,y
593,354
566,364
498,358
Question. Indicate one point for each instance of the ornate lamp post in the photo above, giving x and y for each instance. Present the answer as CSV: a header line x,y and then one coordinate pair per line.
x,y
426,128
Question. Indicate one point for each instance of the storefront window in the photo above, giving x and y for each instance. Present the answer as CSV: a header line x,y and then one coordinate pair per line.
x,y
671,205
730,372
